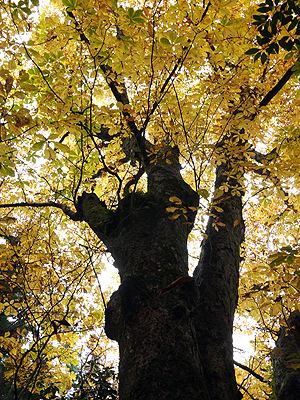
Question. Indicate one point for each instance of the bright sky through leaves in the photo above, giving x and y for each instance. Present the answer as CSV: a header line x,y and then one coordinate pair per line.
x,y
185,75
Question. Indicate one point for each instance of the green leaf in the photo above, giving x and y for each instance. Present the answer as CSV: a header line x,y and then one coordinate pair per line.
x,y
70,3
203,193
260,18
283,41
273,26
292,25
289,55
131,12
139,20
64,148
224,20
290,260
265,33
28,87
286,20
264,9
252,51
276,254
278,261
273,48
289,45
165,41
263,58
261,41
49,153
257,56
138,13
26,10
6,171
38,146
286,248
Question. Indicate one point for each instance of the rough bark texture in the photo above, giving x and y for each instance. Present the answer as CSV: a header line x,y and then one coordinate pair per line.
x,y
217,277
286,362
174,344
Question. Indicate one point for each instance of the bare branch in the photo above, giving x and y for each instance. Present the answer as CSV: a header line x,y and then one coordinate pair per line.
x,y
72,214
120,93
205,12
272,93
259,157
244,367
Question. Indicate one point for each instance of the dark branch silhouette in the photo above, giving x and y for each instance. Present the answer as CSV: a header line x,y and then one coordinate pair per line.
x,y
72,214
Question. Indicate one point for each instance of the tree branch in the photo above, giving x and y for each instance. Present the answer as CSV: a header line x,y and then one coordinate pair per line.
x,y
259,157
245,390
121,96
244,367
73,215
272,93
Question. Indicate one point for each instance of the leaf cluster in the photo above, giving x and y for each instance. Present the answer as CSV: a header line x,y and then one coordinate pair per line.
x,y
278,25
44,295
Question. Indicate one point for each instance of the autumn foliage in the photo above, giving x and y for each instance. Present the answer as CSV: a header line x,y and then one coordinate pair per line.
x,y
81,82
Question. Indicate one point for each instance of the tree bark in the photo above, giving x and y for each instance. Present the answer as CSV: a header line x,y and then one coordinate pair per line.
x,y
174,335
286,360
217,276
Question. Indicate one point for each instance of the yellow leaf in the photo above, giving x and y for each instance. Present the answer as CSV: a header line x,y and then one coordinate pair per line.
x,y
9,83
12,64
171,209
174,216
9,373
236,222
8,220
175,199
221,224
219,209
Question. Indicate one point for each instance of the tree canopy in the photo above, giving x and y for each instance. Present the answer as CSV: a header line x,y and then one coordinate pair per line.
x,y
93,94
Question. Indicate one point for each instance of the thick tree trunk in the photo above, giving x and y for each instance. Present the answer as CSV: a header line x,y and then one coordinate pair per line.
x,y
175,340
217,277
286,361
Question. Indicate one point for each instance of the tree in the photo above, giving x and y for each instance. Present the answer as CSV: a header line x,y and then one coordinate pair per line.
x,y
120,117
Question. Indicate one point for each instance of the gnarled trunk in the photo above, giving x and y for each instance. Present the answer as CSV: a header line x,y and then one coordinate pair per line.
x,y
174,334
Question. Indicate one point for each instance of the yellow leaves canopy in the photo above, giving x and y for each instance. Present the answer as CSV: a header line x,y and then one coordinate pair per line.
x,y
184,79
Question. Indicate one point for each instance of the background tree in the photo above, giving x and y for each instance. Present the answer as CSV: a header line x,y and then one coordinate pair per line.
x,y
105,107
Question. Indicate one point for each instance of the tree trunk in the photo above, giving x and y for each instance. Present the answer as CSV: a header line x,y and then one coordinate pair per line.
x,y
217,276
286,360
174,335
